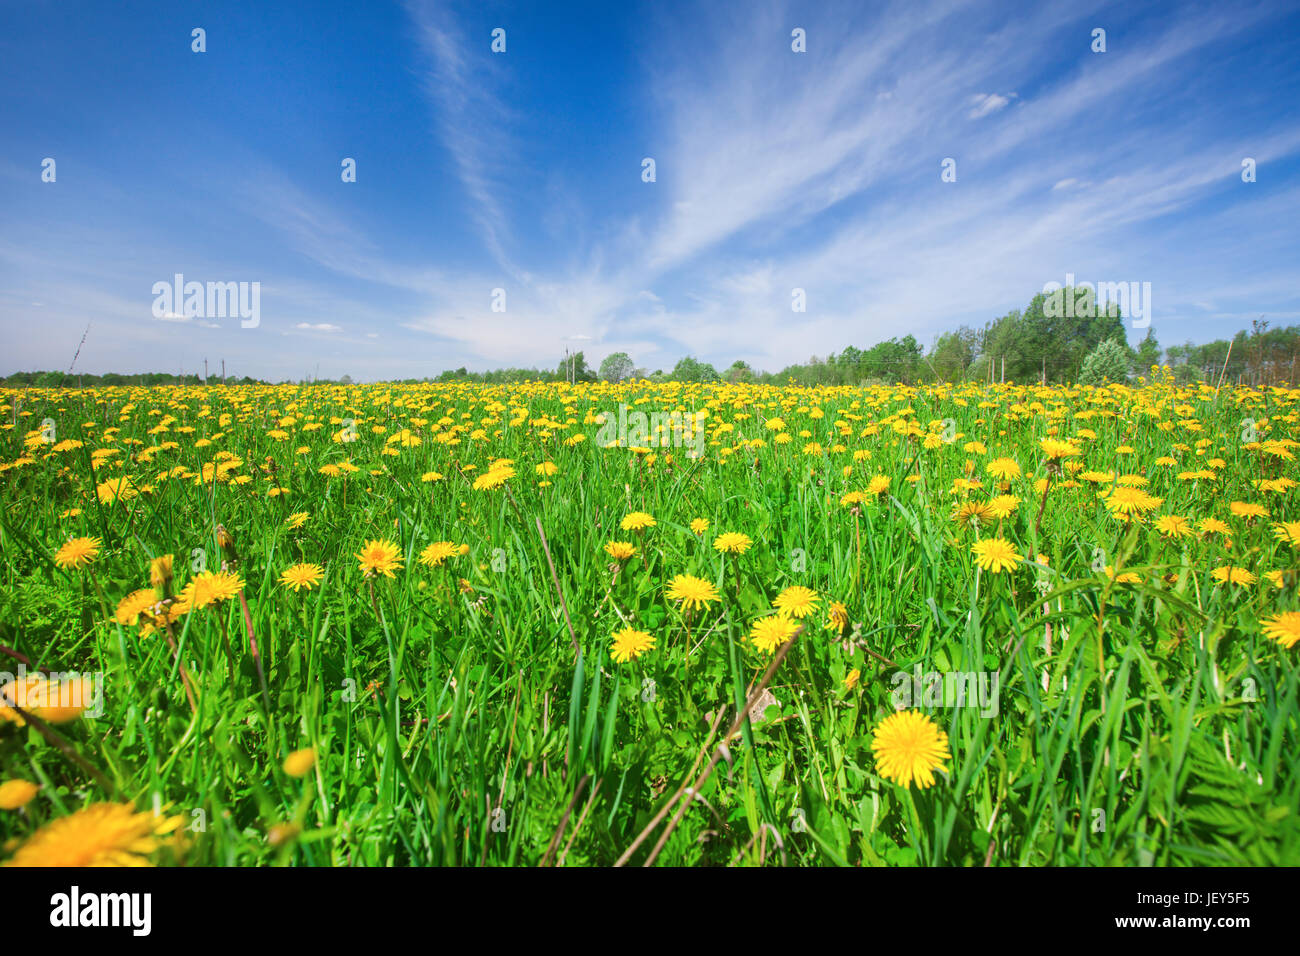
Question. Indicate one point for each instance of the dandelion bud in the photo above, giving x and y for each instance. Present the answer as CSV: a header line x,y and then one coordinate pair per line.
x,y
160,576
226,542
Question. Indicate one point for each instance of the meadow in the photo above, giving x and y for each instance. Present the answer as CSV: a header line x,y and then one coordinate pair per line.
x,y
456,624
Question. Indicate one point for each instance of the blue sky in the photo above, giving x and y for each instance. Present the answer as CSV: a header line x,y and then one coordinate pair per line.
x,y
522,171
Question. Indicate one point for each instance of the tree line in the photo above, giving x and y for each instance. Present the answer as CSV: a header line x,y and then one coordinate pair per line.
x,y
80,380
1081,342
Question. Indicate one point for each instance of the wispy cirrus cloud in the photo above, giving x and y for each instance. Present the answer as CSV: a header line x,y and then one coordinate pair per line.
x,y
777,171
472,120
982,104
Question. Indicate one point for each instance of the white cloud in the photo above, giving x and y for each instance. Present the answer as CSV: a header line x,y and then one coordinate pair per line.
x,y
985,103
472,119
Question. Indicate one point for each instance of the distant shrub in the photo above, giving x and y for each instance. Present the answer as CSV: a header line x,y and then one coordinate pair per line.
x,y
1108,362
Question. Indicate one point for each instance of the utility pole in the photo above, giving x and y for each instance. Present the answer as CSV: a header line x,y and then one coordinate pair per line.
x,y
223,371
205,371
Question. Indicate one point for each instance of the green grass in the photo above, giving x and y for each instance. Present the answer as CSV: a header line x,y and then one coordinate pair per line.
x,y
461,728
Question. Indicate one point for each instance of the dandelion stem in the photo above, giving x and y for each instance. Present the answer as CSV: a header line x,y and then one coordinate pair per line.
x,y
185,676
252,647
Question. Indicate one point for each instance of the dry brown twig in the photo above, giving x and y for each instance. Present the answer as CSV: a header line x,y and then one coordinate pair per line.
x,y
564,820
718,753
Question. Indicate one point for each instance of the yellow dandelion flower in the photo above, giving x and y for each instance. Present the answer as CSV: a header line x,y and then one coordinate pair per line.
x,y
55,702
77,553
909,747
996,555
300,762
796,601
1174,526
133,605
16,793
620,550
379,556
209,587
493,478
302,575
1056,449
973,513
103,834
693,592
1288,532
637,520
1003,468
1004,506
837,617
1248,510
1125,577
437,553
1131,501
1227,574
629,644
878,485
115,489
769,633
732,542
1283,628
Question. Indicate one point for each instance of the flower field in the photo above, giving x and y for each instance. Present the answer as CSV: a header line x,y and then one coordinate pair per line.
x,y
670,623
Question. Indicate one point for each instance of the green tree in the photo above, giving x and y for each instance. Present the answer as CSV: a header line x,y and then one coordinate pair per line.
x,y
1148,352
952,354
739,372
616,367
691,370
1108,362
574,366
1059,329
